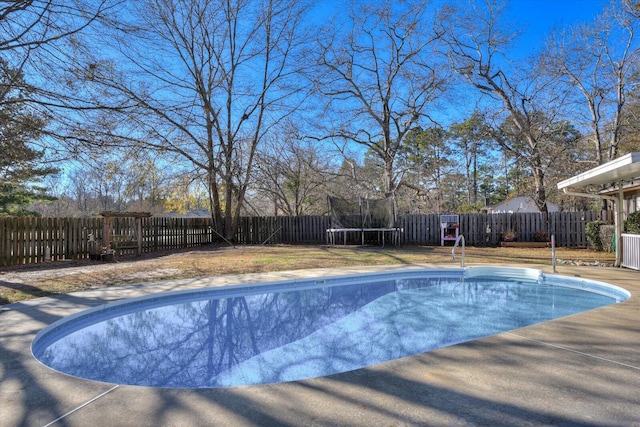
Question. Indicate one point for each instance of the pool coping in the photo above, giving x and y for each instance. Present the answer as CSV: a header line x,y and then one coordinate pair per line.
x,y
580,369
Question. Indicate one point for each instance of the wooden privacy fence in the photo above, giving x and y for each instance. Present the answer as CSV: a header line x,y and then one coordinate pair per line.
x,y
487,229
33,240
29,240
282,229
478,229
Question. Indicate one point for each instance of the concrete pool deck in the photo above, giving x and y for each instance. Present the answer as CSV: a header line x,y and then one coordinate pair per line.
x,y
582,369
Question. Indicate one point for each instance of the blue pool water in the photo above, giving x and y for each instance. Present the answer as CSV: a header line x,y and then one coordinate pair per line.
x,y
286,331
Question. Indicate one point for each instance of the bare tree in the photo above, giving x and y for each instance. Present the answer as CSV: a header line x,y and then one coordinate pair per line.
x,y
379,77
293,173
477,42
31,34
28,24
28,30
203,79
600,61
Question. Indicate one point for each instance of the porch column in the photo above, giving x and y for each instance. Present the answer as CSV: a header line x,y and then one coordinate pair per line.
x,y
619,223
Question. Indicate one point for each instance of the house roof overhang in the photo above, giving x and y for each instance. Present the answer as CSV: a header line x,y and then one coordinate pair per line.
x,y
616,171
621,169
630,186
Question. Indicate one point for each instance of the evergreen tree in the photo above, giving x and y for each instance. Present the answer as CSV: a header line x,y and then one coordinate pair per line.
x,y
21,165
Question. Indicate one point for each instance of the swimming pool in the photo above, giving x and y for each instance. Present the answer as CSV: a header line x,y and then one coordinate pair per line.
x,y
291,330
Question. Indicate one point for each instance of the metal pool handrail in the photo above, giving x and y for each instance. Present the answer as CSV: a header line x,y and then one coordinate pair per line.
x,y
453,250
461,238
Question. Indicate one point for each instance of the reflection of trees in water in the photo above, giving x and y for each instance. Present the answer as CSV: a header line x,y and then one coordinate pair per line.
x,y
187,344
191,342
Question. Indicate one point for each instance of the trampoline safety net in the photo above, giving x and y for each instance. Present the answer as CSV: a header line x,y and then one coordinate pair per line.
x,y
362,214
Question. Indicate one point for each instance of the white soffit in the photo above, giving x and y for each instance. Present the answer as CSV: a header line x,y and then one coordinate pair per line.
x,y
621,169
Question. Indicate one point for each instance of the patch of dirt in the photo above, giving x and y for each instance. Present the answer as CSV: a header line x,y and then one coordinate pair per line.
x,y
53,278
148,264
147,270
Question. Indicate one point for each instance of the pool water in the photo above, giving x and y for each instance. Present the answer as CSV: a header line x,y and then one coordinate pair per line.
x,y
295,330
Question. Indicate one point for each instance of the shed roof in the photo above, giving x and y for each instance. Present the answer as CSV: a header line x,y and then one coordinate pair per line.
x,y
521,204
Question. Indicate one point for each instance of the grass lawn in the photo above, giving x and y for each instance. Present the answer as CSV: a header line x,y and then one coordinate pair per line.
x,y
18,284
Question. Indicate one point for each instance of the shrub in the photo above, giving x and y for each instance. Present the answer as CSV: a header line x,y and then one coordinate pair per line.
x,y
606,237
632,224
541,236
592,230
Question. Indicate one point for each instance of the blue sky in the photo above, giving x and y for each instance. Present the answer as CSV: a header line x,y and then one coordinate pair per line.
x,y
535,19
539,17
